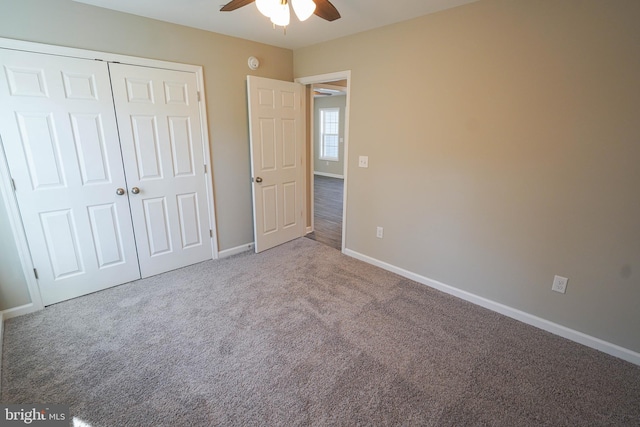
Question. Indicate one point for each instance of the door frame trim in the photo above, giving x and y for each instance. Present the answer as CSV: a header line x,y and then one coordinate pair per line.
x,y
13,212
326,78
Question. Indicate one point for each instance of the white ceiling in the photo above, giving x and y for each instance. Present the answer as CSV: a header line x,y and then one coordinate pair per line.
x,y
248,23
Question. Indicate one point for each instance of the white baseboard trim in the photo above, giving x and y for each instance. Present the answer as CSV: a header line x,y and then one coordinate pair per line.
x,y
308,230
329,175
19,311
530,319
235,251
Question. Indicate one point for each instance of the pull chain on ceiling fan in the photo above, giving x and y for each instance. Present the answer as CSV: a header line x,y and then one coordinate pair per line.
x,y
279,13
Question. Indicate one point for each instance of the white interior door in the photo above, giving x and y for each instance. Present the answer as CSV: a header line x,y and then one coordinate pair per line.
x,y
276,119
162,144
60,138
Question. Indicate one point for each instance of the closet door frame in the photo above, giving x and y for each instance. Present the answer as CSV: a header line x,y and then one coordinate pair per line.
x,y
6,188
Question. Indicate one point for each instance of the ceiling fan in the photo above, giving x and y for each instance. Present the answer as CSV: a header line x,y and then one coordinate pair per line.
x,y
278,10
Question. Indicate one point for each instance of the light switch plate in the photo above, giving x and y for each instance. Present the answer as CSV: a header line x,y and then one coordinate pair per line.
x,y
363,162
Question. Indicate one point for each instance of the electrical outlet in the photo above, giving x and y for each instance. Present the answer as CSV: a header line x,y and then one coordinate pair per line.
x,y
363,162
379,232
560,284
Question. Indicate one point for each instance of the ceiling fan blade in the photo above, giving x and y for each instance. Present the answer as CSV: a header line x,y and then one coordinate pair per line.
x,y
235,4
325,10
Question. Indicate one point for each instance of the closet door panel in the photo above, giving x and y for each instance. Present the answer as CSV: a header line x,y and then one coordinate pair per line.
x,y
60,139
161,138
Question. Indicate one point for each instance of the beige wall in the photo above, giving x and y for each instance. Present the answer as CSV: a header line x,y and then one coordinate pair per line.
x,y
326,166
13,288
67,23
506,151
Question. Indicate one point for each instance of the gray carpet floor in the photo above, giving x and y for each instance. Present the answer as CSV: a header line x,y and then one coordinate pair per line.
x,y
303,335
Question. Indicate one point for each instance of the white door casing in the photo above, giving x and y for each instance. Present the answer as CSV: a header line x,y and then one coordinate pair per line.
x,y
162,144
276,123
61,142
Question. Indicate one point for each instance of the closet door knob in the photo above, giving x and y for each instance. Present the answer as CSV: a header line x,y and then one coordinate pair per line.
x,y
120,191
135,190
258,180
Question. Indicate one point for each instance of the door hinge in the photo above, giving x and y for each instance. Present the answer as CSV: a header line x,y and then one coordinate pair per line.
x,y
205,168
35,273
199,97
210,233
13,184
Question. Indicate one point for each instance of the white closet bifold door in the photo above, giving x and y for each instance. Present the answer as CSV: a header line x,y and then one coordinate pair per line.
x,y
109,169
162,145
60,138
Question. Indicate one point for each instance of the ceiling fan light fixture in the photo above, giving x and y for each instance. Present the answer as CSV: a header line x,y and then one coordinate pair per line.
x,y
281,15
267,7
303,8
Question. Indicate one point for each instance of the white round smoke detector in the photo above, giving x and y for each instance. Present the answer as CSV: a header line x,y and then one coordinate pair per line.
x,y
253,63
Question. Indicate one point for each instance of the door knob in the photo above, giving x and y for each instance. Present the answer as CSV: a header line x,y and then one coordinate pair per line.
x,y
258,179
120,191
135,190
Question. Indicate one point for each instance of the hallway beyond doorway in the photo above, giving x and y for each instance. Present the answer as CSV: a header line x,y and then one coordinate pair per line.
x,y
328,194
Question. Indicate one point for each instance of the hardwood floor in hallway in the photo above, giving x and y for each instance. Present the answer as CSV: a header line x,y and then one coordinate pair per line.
x,y
328,193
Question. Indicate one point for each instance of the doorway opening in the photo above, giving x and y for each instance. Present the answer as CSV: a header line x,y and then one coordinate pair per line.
x,y
328,118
